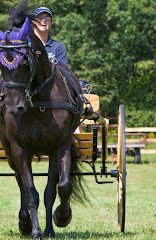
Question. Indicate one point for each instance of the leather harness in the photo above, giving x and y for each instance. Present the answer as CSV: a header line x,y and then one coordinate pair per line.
x,y
71,105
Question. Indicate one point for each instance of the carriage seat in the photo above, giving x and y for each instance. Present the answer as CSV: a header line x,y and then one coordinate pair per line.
x,y
89,94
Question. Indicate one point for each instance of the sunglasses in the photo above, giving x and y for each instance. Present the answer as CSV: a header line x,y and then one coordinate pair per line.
x,y
45,18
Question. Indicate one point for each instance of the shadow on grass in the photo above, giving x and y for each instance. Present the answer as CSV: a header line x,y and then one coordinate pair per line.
x,y
127,162
142,162
77,235
13,235
92,235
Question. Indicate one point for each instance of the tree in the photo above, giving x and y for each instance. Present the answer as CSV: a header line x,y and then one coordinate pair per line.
x,y
111,44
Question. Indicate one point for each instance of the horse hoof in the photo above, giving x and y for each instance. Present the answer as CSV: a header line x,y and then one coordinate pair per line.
x,y
25,227
61,220
49,233
37,236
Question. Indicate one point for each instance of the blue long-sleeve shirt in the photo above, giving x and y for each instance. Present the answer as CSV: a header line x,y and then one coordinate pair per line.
x,y
56,50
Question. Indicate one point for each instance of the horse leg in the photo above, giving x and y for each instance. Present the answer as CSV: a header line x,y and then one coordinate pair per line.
x,y
32,203
31,198
49,197
25,225
29,195
63,215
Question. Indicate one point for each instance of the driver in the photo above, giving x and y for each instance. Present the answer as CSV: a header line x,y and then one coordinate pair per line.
x,y
42,26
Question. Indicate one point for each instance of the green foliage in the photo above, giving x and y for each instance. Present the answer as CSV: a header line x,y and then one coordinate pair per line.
x,y
131,41
4,22
111,44
152,135
140,118
6,5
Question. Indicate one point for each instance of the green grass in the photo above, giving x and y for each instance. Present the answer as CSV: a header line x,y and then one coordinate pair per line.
x,y
151,146
145,158
97,220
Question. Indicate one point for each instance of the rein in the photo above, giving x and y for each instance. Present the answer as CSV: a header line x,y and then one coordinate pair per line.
x,y
38,89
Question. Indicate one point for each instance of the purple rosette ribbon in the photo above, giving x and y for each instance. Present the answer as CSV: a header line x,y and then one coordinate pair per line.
x,y
16,38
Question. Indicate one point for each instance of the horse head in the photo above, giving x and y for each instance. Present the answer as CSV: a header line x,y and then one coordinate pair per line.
x,y
18,67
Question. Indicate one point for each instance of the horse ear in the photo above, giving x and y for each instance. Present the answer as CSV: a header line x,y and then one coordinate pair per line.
x,y
24,31
1,35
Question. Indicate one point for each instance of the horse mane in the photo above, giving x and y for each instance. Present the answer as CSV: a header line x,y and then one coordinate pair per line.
x,y
18,14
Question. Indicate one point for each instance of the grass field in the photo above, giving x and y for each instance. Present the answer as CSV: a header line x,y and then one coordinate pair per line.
x,y
97,220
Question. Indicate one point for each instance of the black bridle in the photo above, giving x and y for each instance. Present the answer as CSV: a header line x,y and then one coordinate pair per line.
x,y
71,105
32,66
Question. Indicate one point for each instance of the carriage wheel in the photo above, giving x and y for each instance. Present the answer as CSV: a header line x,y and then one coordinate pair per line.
x,y
121,165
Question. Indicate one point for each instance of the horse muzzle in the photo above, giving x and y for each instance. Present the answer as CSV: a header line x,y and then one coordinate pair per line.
x,y
16,103
17,110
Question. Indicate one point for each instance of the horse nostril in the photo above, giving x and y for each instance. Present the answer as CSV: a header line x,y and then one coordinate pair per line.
x,y
21,109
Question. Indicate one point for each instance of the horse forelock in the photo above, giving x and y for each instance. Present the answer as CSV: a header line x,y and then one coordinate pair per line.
x,y
18,14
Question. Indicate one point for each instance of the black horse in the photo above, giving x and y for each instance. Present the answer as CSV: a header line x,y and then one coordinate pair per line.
x,y
42,108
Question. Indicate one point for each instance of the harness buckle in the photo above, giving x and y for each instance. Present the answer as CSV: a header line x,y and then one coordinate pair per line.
x,y
53,60
42,109
38,53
